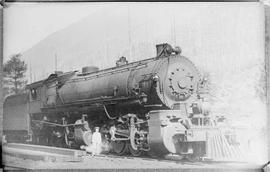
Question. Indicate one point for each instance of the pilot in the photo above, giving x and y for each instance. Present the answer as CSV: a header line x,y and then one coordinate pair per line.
x,y
96,142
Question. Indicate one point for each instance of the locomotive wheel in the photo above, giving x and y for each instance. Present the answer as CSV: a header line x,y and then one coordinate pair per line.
x,y
133,151
120,147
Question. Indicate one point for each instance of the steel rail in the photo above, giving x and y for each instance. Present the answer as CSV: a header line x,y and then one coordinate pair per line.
x,y
75,153
47,149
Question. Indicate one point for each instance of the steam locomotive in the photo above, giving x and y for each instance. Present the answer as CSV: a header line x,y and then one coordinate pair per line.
x,y
144,106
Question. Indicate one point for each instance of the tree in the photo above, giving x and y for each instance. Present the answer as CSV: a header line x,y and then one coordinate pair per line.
x,y
14,70
260,86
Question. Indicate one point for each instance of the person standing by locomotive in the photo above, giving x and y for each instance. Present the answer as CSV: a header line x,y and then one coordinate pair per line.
x,y
96,142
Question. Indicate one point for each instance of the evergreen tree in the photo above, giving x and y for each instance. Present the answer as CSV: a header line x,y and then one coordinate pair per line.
x,y
14,78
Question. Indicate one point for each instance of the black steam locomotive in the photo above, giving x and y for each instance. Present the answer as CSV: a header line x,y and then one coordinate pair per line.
x,y
143,106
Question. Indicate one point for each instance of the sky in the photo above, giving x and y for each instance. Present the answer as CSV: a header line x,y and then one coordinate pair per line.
x,y
28,23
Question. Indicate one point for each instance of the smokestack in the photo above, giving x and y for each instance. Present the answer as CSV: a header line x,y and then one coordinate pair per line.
x,y
166,50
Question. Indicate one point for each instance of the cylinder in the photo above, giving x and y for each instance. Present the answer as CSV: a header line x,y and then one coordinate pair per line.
x,y
83,137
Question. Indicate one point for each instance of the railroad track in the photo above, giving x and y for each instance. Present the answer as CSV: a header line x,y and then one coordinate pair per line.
x,y
9,168
26,156
141,158
41,153
48,153
169,159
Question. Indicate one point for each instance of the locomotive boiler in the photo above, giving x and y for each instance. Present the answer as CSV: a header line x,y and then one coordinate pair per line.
x,y
143,106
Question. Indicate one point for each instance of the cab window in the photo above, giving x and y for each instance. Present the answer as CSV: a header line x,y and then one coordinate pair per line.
x,y
33,93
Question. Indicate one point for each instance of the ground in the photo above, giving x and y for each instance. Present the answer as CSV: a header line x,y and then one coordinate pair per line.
x,y
106,163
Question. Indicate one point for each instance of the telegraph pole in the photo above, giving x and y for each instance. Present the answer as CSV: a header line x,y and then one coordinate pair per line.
x,y
174,32
146,29
107,43
34,77
30,73
129,32
55,62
